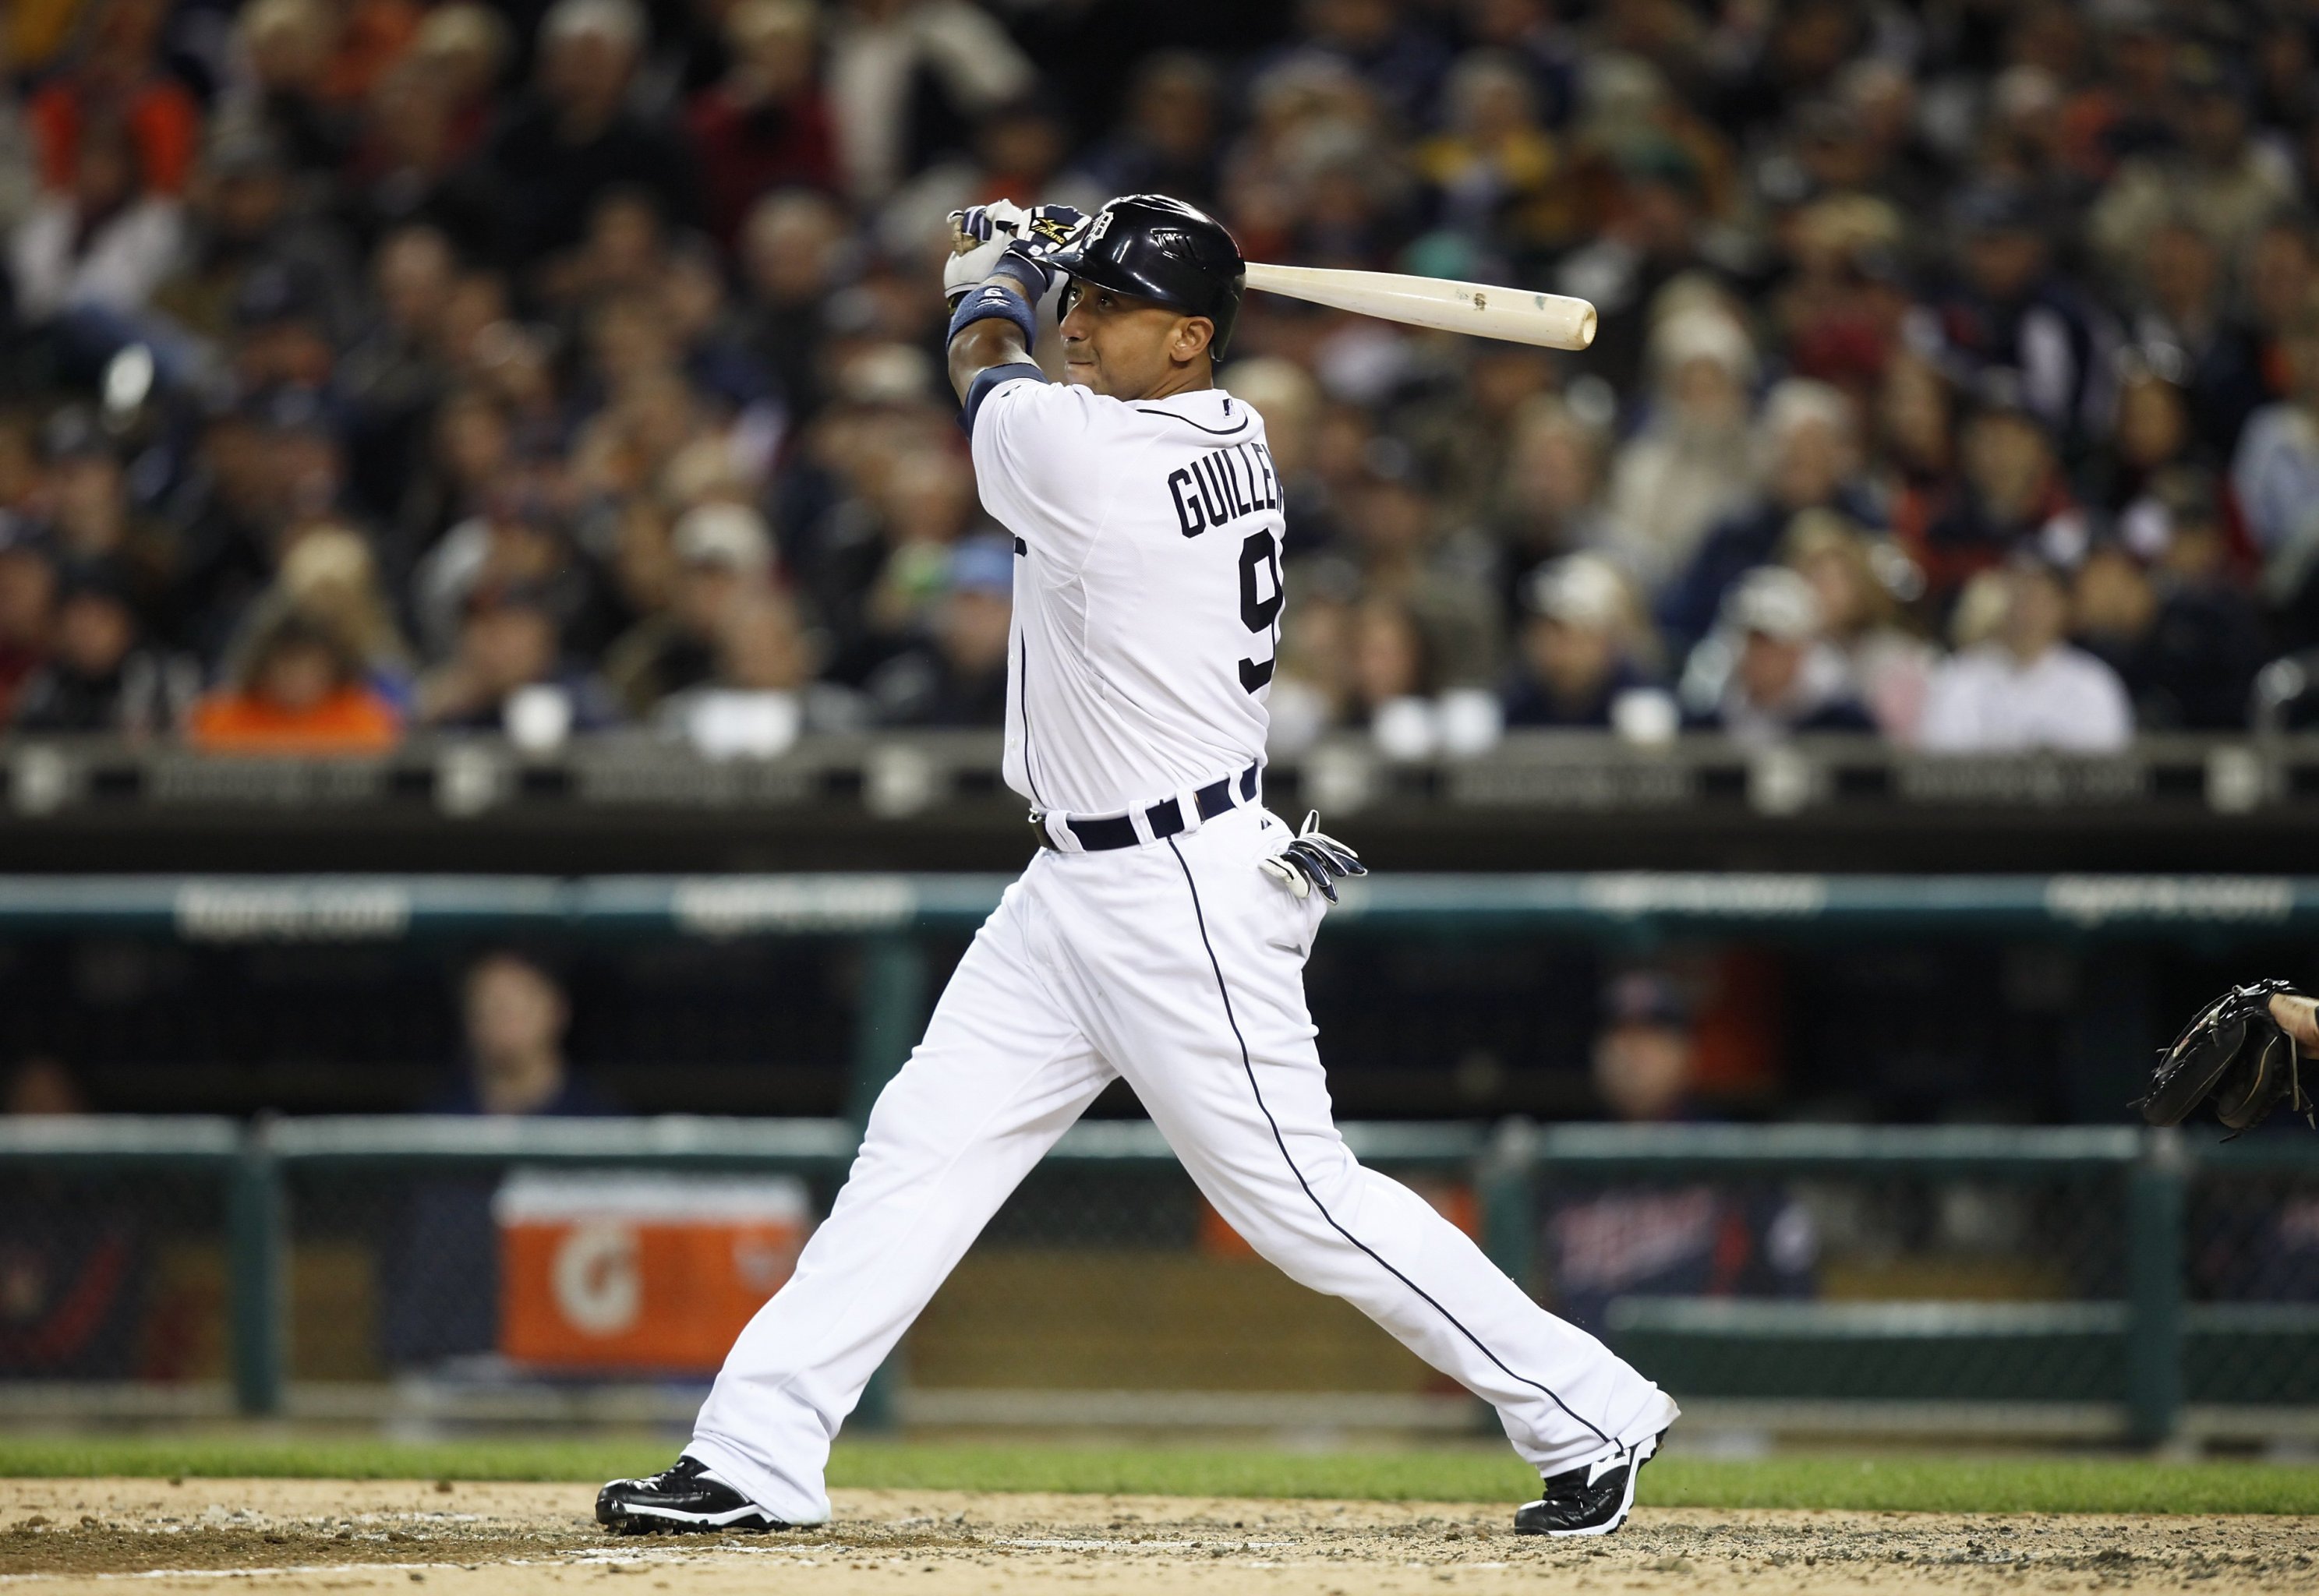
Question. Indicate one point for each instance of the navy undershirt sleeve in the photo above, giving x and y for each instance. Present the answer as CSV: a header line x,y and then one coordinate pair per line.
x,y
988,379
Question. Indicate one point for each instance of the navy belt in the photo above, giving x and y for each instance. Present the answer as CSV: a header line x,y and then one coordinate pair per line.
x,y
1102,834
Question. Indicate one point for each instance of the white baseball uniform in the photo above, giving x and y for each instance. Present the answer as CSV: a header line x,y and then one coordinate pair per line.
x,y
1147,602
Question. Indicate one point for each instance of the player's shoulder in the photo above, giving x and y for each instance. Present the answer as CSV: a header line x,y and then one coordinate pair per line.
x,y
1208,414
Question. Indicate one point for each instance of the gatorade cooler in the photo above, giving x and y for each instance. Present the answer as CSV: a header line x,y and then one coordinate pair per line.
x,y
644,1272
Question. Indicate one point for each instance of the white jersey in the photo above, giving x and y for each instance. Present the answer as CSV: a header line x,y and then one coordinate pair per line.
x,y
1147,588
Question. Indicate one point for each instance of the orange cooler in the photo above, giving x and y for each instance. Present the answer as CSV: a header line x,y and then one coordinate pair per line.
x,y
645,1272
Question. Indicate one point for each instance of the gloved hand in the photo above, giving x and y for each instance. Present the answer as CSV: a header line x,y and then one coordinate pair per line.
x,y
1045,230
980,235
2234,1054
1313,858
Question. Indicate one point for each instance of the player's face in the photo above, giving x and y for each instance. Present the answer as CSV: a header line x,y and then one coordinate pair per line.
x,y
1127,347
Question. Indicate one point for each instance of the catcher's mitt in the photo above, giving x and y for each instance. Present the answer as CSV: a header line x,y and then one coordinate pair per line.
x,y
2232,1052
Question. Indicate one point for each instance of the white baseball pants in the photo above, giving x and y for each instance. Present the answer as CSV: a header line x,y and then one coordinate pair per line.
x,y
1179,965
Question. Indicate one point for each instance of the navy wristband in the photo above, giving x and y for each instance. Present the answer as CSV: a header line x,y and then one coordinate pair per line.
x,y
991,302
1016,265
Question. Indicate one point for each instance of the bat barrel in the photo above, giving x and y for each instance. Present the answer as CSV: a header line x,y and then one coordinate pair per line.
x,y
1481,310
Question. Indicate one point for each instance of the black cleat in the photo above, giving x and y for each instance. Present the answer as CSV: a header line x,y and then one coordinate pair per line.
x,y
1593,1500
683,1499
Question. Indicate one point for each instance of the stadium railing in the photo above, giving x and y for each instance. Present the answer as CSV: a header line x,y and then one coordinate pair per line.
x,y
2092,1282
2120,1340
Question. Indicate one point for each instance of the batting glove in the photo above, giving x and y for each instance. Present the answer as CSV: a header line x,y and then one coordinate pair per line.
x,y
1046,229
980,235
1313,858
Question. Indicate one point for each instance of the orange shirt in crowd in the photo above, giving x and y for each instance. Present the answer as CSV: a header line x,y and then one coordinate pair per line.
x,y
164,123
351,720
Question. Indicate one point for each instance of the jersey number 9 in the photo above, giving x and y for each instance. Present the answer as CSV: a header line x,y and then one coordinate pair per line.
x,y
1259,610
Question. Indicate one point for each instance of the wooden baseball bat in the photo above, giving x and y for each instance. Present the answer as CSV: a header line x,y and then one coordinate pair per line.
x,y
1517,315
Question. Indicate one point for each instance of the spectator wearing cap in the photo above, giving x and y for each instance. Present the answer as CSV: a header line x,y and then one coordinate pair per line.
x,y
91,519
2006,307
765,124
98,679
1687,1242
2026,688
28,596
507,644
1808,460
296,689
1768,671
2010,486
724,560
1690,462
576,138
958,676
1578,648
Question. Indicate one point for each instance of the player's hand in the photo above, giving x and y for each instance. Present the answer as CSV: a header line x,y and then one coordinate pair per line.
x,y
980,235
1045,230
1313,858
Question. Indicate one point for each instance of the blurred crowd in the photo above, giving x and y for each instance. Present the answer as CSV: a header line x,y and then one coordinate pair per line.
x,y
369,366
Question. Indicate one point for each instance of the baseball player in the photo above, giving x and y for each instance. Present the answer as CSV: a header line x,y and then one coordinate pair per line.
x,y
1159,934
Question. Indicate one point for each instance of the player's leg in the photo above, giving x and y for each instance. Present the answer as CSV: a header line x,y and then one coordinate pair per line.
x,y
1195,992
1001,1074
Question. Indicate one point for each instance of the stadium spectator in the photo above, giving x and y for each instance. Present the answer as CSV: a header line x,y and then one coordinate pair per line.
x,y
442,1284
723,557
1690,462
1768,670
297,688
1581,647
508,644
74,1276
2025,687
2010,487
509,294
958,676
1689,1241
2155,605
1808,462
1888,665
98,679
576,138
765,125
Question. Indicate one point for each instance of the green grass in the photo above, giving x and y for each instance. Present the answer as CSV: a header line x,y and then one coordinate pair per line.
x,y
1885,1483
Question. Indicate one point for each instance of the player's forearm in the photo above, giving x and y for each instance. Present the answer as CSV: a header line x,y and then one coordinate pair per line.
x,y
2298,1016
981,345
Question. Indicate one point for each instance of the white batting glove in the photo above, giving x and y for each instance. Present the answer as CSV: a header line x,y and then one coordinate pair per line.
x,y
980,235
1313,858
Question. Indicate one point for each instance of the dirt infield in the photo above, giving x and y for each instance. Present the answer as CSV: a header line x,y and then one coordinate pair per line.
x,y
297,1536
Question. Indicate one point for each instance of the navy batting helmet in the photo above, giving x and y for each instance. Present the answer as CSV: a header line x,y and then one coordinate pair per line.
x,y
1163,250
